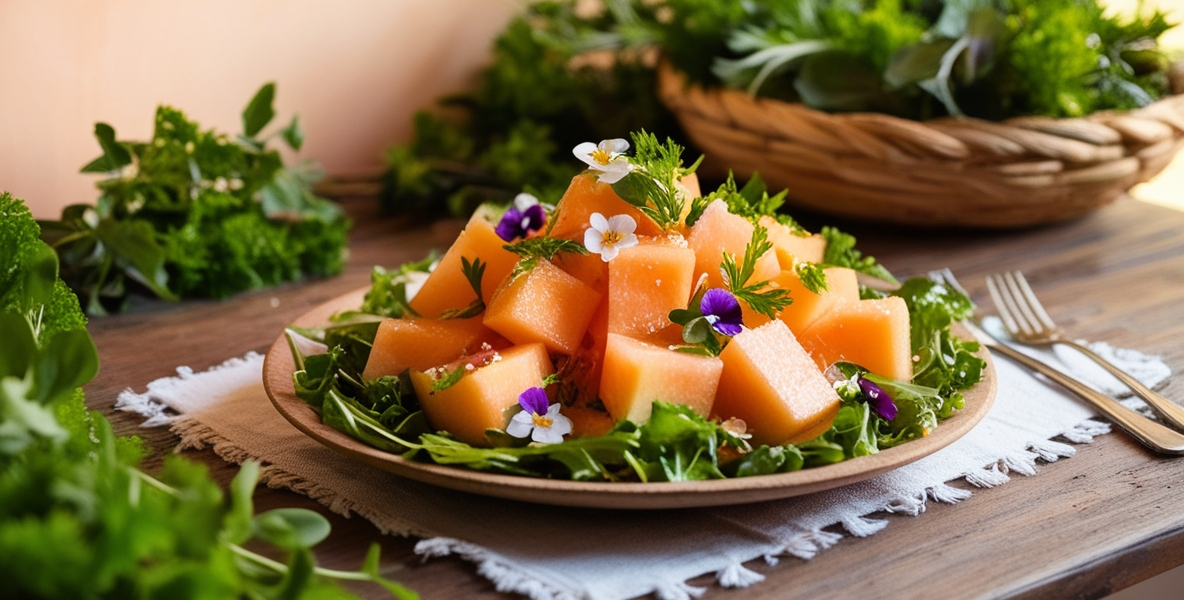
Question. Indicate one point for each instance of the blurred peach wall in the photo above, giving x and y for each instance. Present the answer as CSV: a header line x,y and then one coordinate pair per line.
x,y
355,71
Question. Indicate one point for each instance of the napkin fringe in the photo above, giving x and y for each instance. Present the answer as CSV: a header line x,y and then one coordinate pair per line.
x,y
505,575
947,494
863,526
736,575
678,590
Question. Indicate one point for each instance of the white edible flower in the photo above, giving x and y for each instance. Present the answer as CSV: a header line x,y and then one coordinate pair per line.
x,y
607,158
606,237
541,422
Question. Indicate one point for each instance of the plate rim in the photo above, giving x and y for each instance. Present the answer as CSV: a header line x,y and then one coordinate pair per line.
x,y
278,367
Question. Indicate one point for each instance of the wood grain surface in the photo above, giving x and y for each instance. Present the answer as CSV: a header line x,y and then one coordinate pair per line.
x,y
1084,527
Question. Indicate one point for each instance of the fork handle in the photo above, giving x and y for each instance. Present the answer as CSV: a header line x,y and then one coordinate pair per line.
x,y
1170,411
1151,434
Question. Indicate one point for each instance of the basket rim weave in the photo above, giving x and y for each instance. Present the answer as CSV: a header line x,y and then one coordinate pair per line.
x,y
959,171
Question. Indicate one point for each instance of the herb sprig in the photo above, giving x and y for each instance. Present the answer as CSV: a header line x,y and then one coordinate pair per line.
x,y
760,296
652,185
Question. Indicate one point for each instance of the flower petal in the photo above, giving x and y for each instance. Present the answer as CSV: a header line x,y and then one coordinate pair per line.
x,y
622,224
510,226
521,425
723,311
584,152
598,222
612,173
614,146
627,241
546,436
534,400
879,400
608,253
593,241
524,201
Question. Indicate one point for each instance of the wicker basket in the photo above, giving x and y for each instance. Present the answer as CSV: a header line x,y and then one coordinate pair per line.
x,y
950,171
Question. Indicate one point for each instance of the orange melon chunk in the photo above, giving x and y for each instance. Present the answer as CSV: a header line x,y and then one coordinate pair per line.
x,y
544,305
588,422
645,283
718,231
588,268
482,398
587,195
636,374
873,334
790,247
807,306
420,344
447,288
770,383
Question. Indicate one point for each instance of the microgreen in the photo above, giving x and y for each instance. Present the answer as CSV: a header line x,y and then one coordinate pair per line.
x,y
650,186
812,276
760,297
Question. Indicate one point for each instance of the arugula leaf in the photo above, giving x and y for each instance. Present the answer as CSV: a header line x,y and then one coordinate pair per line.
x,y
841,252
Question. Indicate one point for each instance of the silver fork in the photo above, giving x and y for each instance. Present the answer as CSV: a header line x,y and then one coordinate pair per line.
x,y
1151,434
1028,322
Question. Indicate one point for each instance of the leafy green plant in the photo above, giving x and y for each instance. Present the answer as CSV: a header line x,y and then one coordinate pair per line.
x,y
78,518
195,213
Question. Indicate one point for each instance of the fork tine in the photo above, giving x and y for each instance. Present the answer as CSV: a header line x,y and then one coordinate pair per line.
x,y
1003,303
1034,302
946,277
1029,321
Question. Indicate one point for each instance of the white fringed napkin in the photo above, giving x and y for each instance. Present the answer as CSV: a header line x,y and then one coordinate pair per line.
x,y
560,553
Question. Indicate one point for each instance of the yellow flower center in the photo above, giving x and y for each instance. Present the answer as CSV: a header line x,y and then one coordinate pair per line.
x,y
601,156
541,421
611,237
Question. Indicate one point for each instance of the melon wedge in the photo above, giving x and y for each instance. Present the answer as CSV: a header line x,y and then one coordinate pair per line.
x,y
873,334
420,344
482,398
718,231
645,283
587,195
770,383
791,248
447,288
807,306
544,305
636,374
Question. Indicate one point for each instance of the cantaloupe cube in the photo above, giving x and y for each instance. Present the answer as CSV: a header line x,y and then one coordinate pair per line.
x,y
587,195
807,306
770,382
873,334
544,305
789,247
636,374
588,268
645,283
420,344
718,231
447,288
588,422
482,398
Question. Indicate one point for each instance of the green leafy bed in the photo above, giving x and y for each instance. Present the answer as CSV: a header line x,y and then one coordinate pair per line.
x,y
78,517
196,213
675,444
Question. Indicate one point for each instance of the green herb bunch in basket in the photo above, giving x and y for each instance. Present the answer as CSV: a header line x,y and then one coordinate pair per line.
x,y
196,213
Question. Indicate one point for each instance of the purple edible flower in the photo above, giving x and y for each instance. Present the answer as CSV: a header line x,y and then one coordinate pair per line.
x,y
525,216
722,311
879,400
534,401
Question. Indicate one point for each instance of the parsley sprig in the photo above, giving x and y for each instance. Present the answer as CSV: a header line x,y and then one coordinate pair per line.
x,y
651,186
759,295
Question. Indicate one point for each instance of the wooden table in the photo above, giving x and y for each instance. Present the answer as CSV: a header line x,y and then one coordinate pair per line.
x,y
1084,527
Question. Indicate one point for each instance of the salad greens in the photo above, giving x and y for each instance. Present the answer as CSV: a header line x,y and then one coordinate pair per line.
x,y
78,517
195,213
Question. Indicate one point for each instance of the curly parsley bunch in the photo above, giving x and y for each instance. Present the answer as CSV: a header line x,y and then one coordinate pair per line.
x,y
196,213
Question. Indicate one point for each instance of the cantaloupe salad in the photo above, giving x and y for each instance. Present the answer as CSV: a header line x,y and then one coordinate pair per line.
x,y
592,322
